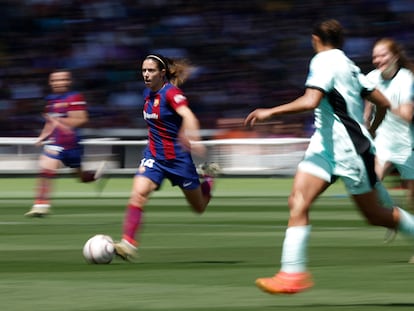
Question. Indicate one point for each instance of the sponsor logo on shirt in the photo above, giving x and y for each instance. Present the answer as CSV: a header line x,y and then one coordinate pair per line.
x,y
150,115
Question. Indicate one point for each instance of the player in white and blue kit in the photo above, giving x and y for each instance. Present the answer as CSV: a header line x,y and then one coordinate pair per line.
x,y
394,138
341,147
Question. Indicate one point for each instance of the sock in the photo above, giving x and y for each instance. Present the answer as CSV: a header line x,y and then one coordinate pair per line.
x,y
87,176
207,186
406,224
384,196
132,223
44,186
294,252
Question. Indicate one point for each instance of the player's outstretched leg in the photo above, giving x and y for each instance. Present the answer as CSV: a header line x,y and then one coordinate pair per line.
x,y
127,247
41,206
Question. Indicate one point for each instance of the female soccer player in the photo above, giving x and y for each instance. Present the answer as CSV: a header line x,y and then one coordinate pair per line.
x,y
394,138
172,126
340,147
65,113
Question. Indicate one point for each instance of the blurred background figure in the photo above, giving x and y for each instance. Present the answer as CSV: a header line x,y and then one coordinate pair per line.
x,y
394,138
244,52
65,113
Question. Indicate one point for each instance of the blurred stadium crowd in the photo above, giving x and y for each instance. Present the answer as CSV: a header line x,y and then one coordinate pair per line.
x,y
245,54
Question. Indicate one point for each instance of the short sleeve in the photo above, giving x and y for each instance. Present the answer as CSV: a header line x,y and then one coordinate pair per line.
x,y
76,102
320,75
176,98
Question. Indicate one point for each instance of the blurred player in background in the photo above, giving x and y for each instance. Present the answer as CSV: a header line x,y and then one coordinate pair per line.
x,y
341,147
65,113
394,138
172,126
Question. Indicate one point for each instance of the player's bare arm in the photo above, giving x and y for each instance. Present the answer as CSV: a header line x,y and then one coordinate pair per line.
x,y
74,119
190,130
382,104
45,133
308,101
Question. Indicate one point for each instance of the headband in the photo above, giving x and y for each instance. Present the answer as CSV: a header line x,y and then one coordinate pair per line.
x,y
157,58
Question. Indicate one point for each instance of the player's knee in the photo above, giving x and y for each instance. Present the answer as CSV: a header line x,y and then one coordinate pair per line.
x,y
298,206
297,201
138,199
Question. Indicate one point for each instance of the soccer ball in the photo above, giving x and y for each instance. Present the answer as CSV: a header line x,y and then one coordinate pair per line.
x,y
99,249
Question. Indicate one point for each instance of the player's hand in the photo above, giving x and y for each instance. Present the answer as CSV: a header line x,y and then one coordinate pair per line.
x,y
57,123
195,147
198,149
257,115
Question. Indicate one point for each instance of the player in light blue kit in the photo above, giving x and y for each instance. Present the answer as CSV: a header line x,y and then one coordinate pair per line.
x,y
340,147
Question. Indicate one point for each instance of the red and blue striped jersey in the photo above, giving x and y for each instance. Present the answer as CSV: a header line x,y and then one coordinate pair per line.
x,y
58,105
163,121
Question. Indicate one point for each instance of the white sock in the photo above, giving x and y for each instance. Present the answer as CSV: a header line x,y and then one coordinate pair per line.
x,y
294,252
406,224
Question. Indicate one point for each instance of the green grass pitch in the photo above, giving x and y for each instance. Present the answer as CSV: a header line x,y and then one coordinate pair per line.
x,y
189,262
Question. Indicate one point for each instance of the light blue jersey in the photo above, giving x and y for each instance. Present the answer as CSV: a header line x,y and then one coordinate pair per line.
x,y
394,140
341,146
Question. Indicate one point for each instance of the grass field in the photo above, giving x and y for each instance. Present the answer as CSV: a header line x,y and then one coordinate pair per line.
x,y
189,262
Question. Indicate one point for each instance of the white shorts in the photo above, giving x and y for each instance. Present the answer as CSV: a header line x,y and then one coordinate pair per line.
x,y
356,171
397,151
404,166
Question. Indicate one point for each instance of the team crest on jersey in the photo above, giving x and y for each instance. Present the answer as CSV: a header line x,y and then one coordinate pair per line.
x,y
156,102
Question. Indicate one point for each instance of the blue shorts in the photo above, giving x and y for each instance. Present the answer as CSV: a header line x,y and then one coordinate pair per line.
x,y
71,157
180,171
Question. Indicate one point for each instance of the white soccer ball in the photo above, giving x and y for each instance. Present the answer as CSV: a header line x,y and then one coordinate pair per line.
x,y
99,249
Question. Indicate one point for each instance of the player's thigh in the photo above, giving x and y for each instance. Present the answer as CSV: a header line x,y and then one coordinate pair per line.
x,y
314,175
306,188
142,187
48,163
382,168
193,196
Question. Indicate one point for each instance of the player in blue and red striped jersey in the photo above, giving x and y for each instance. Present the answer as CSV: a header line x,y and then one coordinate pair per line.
x,y
172,126
65,113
